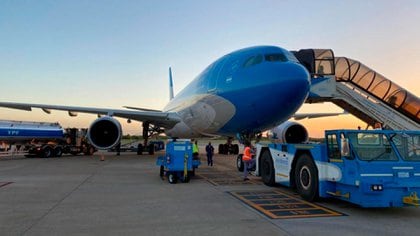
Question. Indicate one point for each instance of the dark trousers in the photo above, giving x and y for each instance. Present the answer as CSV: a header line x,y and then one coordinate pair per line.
x,y
248,165
209,159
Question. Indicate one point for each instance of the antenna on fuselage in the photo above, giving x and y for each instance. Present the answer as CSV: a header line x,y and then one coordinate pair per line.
x,y
171,85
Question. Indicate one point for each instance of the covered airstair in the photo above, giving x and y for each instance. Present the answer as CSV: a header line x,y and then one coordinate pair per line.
x,y
360,90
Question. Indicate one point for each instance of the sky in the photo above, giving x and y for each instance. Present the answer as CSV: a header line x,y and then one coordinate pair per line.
x,y
114,53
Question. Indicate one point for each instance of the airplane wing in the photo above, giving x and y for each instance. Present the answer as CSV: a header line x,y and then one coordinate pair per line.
x,y
159,118
140,108
302,116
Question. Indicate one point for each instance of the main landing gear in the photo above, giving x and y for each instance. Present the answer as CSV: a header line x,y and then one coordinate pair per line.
x,y
148,131
228,147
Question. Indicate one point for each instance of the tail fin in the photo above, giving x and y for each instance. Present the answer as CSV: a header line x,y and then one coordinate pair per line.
x,y
171,85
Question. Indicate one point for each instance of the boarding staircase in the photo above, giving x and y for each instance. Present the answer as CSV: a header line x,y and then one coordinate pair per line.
x,y
360,90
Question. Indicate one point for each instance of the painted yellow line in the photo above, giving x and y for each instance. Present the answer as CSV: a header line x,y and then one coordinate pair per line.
x,y
293,211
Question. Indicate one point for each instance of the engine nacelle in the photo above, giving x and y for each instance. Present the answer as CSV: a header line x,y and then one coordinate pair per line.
x,y
289,132
105,132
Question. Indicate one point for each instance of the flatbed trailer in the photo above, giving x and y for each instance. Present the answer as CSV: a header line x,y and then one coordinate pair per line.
x,y
370,168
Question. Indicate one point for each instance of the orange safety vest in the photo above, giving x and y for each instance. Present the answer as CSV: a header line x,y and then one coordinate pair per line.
x,y
247,156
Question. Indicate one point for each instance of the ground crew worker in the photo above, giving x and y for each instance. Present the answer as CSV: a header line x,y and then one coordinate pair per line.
x,y
195,150
209,152
247,159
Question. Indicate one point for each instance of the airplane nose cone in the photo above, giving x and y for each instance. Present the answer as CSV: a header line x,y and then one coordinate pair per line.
x,y
273,93
295,82
297,78
287,80
286,90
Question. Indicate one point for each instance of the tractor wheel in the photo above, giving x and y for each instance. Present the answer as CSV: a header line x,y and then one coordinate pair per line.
x,y
267,169
186,179
306,177
240,163
172,178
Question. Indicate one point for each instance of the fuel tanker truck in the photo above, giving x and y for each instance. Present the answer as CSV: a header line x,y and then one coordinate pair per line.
x,y
44,139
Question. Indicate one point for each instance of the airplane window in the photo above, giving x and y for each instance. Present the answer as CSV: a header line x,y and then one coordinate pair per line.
x,y
253,61
276,57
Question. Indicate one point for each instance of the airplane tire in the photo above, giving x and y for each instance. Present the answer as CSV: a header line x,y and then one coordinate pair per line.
x,y
139,149
221,149
236,149
227,149
239,163
172,178
306,177
267,169
151,149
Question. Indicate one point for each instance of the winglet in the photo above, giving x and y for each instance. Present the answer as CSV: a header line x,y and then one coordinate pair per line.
x,y
171,85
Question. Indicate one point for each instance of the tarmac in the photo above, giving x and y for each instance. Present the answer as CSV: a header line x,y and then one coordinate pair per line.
x,y
124,195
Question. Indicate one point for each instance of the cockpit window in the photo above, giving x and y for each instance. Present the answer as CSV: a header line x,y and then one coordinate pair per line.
x,y
253,61
276,57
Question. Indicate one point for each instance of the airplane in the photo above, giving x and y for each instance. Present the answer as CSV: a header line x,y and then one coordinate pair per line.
x,y
239,95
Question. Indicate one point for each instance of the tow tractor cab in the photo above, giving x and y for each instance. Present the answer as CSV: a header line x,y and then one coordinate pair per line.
x,y
370,168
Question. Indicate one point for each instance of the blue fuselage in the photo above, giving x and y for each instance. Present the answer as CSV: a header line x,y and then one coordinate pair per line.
x,y
245,92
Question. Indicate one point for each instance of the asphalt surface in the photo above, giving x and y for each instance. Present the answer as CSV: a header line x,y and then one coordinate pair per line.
x,y
124,195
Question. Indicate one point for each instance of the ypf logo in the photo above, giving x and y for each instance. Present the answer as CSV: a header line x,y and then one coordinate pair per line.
x,y
13,132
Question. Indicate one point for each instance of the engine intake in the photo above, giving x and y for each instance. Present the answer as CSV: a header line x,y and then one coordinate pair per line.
x,y
105,133
289,132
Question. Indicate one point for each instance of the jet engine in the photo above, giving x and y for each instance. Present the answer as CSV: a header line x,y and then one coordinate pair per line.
x,y
105,132
289,132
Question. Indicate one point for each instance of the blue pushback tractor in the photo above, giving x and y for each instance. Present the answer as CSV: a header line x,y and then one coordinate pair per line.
x,y
370,168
